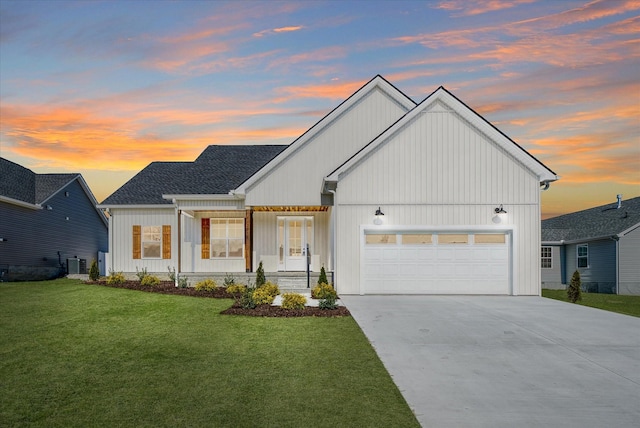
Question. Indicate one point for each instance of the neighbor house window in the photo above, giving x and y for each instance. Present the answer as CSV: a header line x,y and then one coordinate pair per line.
x,y
227,237
152,242
583,256
545,257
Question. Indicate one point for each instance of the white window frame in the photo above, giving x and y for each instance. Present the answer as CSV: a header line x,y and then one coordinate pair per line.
x,y
544,257
145,233
579,257
213,238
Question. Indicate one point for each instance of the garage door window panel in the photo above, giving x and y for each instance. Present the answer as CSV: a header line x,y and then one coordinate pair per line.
x,y
489,238
453,238
380,239
417,239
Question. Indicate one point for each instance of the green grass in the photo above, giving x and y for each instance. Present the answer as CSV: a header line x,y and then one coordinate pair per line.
x,y
82,355
628,305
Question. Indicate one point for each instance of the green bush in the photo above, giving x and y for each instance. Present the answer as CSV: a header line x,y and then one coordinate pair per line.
x,y
322,291
262,296
141,273
246,300
115,278
172,273
182,282
150,281
574,292
206,285
229,280
293,301
322,279
328,303
94,271
236,288
260,279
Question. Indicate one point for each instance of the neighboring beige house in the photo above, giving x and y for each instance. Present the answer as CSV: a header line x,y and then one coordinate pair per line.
x,y
390,196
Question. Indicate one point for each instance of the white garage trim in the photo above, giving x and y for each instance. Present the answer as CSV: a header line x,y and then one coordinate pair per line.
x,y
500,257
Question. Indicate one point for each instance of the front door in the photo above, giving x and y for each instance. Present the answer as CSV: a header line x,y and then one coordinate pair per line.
x,y
294,234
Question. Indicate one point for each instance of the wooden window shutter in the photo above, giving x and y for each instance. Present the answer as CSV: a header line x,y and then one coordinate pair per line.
x,y
205,238
137,241
166,241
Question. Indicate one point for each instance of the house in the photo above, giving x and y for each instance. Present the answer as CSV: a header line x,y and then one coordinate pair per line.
x,y
388,195
49,224
602,243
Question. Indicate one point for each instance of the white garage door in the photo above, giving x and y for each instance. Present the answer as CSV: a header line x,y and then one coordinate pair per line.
x,y
435,263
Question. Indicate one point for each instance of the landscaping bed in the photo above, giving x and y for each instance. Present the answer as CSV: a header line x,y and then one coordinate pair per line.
x,y
168,287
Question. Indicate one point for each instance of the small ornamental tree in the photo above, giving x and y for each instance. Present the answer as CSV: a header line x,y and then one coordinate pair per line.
x,y
323,276
94,271
574,292
260,279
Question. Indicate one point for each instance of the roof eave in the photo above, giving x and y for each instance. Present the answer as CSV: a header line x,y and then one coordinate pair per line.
x,y
20,203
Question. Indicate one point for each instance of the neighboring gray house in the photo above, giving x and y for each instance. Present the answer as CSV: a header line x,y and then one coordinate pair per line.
x,y
49,224
602,243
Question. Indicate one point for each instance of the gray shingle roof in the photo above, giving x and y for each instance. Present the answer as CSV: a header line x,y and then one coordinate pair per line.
x,y
602,221
218,170
22,184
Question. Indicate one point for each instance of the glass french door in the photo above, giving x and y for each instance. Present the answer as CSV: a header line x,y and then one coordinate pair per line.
x,y
294,234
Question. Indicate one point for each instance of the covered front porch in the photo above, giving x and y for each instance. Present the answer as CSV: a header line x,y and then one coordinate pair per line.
x,y
216,240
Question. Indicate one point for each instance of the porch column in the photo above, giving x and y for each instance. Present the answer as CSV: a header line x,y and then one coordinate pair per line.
x,y
248,239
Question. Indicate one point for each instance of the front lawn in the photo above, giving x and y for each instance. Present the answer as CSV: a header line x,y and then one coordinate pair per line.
x,y
628,305
74,354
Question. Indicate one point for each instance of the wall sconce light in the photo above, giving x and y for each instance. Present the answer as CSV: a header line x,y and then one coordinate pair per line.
x,y
379,217
501,214
66,194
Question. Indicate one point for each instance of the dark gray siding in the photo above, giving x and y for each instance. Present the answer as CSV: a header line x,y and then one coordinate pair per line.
x,y
38,239
600,275
629,260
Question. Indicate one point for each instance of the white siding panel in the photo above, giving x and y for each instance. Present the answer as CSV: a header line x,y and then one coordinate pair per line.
x,y
439,171
629,254
122,222
298,181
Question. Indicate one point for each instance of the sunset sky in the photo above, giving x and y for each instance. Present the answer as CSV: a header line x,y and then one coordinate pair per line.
x,y
104,88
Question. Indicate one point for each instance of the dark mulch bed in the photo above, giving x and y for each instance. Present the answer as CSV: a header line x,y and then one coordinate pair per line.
x,y
168,287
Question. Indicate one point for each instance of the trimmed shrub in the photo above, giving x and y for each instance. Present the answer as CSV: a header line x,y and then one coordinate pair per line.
x,y
293,301
206,285
322,279
262,296
115,278
322,291
141,273
271,288
150,281
236,288
94,271
260,279
574,291
328,303
182,282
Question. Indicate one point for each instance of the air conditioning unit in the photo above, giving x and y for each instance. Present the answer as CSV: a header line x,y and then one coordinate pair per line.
x,y
73,266
83,266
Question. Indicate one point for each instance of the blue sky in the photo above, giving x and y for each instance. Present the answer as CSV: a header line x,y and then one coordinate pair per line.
x,y
105,88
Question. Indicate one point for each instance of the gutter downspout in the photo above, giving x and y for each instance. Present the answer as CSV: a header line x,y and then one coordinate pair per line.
x,y
334,222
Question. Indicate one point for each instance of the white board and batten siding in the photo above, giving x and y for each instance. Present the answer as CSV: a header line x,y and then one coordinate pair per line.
x,y
435,172
297,181
121,225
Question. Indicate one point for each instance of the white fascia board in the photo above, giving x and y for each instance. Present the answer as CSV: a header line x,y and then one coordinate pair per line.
x,y
544,174
134,206
202,197
298,143
20,203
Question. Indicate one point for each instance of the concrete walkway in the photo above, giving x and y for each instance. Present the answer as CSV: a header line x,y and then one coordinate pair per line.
x,y
480,361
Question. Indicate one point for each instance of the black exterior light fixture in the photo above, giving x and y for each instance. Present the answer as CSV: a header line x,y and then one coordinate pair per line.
x,y
378,216
501,214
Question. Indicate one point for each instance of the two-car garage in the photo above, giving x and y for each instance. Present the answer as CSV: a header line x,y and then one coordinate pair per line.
x,y
424,261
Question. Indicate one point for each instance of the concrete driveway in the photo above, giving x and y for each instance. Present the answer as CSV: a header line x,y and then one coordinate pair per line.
x,y
480,361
